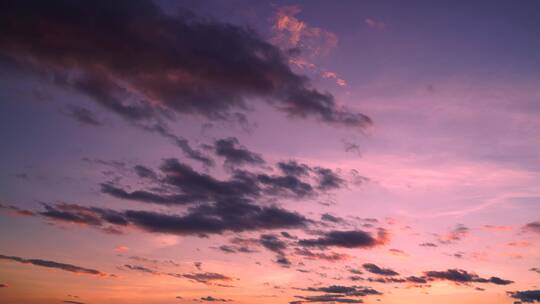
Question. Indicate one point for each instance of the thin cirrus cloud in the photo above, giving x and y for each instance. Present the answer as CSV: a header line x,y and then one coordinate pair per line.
x,y
203,75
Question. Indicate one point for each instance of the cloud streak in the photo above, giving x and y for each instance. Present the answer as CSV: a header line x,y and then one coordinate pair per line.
x,y
53,264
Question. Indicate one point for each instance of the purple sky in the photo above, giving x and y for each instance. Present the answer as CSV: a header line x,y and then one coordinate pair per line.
x,y
281,152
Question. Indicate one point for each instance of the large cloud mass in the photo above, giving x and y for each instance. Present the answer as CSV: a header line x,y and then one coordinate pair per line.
x,y
137,61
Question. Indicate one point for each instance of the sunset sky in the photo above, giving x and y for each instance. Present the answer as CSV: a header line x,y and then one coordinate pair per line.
x,y
158,152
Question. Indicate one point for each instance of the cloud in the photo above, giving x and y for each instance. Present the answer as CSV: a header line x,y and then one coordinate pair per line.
x,y
387,280
338,294
456,234
428,245
4,285
293,168
347,239
185,64
52,264
13,210
234,154
378,270
272,243
208,278
292,33
328,179
462,276
329,257
330,218
532,227
326,298
141,269
73,302
535,269
283,261
212,299
83,115
201,220
526,296
182,143
187,186
144,172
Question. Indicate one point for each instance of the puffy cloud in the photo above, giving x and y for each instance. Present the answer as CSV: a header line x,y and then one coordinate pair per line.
x,y
184,65
234,154
526,296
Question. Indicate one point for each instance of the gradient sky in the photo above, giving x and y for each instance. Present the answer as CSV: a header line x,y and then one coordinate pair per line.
x,y
281,152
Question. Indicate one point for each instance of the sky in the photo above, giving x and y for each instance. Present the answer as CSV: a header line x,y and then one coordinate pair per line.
x,y
269,152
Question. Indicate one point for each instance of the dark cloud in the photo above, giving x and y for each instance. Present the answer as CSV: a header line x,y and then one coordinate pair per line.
x,y
333,219
178,183
337,294
286,185
146,196
208,278
273,243
204,219
235,249
212,219
328,179
106,220
428,245
329,257
140,269
326,298
182,143
532,227
83,115
3,285
52,264
144,172
288,235
234,154
411,279
293,168
526,296
73,302
378,270
535,269
212,299
184,65
462,276
347,239
16,210
283,261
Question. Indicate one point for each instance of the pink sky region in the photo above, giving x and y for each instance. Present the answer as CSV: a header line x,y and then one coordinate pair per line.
x,y
272,152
